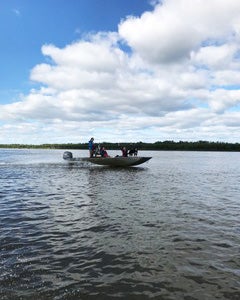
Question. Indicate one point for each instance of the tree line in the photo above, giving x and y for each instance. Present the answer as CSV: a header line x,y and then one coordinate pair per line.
x,y
159,146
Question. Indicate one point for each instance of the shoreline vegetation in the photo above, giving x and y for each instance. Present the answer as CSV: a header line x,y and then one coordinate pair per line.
x,y
157,146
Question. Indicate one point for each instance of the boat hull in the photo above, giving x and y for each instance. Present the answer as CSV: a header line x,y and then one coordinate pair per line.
x,y
118,161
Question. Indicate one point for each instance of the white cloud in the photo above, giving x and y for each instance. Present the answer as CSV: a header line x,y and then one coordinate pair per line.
x,y
221,100
215,57
176,27
178,80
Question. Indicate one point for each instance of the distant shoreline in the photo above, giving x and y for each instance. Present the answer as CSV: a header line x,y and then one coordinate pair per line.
x,y
157,146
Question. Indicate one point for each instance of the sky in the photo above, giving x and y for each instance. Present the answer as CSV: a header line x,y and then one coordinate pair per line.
x,y
119,70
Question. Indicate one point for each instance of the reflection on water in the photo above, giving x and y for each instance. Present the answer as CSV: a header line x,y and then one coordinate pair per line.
x,y
167,230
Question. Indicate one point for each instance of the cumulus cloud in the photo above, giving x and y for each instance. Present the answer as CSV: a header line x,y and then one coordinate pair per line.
x,y
176,27
217,57
177,79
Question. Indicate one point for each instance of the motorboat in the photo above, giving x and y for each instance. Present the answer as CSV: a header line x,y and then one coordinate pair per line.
x,y
117,161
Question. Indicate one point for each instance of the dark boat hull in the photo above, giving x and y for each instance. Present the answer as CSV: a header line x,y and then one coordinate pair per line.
x,y
118,161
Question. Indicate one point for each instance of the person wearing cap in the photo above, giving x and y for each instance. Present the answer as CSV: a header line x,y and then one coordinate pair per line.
x,y
91,147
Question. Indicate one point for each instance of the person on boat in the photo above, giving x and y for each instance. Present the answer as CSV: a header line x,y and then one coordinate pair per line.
x,y
124,151
91,147
133,151
103,152
97,150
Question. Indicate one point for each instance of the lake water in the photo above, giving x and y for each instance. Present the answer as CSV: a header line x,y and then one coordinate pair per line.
x,y
168,229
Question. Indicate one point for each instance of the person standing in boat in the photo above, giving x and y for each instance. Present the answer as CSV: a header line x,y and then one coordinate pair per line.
x,y
91,147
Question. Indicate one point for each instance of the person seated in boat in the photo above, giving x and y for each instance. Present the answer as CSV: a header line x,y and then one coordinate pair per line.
x,y
97,150
103,152
91,147
133,151
124,151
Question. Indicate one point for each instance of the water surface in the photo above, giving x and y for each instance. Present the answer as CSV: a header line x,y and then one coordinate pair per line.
x,y
168,229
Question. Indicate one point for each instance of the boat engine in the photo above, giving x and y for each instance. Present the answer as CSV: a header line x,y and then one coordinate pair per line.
x,y
67,155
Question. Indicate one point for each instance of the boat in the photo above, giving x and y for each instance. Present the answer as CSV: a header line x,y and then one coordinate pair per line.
x,y
118,161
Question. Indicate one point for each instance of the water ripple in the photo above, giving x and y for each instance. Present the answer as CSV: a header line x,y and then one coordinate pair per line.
x,y
168,231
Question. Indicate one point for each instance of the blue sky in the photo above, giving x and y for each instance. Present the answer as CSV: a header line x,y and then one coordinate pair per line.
x,y
27,25
129,70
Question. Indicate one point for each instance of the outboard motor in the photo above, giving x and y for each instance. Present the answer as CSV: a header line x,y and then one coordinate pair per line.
x,y
67,155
